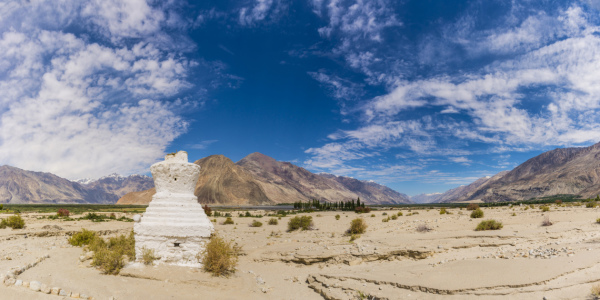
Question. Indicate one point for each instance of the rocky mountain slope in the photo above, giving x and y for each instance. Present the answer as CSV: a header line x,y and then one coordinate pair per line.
x,y
119,185
20,186
259,179
561,171
425,198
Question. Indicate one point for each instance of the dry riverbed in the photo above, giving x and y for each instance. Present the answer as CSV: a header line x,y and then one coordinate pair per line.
x,y
392,260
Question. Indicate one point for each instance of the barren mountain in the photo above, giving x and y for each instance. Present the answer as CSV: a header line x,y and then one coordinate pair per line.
x,y
426,198
20,186
120,185
560,171
464,192
259,179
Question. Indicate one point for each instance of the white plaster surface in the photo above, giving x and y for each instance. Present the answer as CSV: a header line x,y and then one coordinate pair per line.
x,y
174,224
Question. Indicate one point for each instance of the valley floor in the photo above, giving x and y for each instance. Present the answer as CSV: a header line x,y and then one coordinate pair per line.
x,y
392,260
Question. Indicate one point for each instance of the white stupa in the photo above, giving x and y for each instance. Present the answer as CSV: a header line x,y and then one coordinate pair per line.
x,y
174,224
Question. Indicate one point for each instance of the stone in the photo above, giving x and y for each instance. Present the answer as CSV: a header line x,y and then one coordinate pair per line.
x,y
26,283
54,291
35,286
44,288
10,281
75,295
19,282
137,218
64,293
174,225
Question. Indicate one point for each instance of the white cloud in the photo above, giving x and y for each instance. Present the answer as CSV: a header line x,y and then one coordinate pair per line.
x,y
249,16
83,108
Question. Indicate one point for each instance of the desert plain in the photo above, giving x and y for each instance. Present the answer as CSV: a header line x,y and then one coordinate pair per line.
x,y
391,260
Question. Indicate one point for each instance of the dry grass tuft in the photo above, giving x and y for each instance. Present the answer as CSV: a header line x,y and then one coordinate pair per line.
x,y
228,221
110,257
220,257
357,226
82,238
273,221
148,256
303,222
546,221
255,223
478,213
423,228
14,222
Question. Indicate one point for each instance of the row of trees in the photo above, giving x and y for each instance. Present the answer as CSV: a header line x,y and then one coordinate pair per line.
x,y
350,205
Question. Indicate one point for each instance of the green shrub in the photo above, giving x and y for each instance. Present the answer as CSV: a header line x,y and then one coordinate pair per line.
x,y
357,226
478,213
591,204
1,206
353,237
14,222
384,214
598,220
443,211
385,220
113,216
109,257
545,208
220,257
255,223
228,221
399,214
82,238
488,225
394,217
273,221
337,217
303,222
372,215
148,256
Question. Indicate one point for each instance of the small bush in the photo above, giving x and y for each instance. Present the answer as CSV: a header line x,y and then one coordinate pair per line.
x,y
360,210
394,217
545,208
82,238
14,222
558,202
303,222
337,217
1,206
443,211
384,214
94,217
598,220
478,213
399,214
423,228
228,221
591,204
353,237
273,221
109,257
113,216
255,223
488,225
357,226
472,206
207,210
63,213
385,220
514,214
220,257
546,221
595,291
148,256
372,215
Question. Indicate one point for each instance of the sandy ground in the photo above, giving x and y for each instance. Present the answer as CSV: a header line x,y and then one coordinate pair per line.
x,y
392,260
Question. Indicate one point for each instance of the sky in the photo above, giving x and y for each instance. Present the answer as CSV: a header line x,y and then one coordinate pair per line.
x,y
419,95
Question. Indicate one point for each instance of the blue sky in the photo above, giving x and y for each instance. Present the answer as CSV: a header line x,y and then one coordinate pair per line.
x,y
421,96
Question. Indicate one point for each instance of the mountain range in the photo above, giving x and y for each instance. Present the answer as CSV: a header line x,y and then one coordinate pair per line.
x,y
259,179
19,186
567,171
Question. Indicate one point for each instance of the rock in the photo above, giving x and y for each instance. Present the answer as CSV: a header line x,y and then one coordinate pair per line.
x,y
75,295
259,280
84,296
55,291
10,281
26,283
44,288
19,282
35,286
64,293
137,218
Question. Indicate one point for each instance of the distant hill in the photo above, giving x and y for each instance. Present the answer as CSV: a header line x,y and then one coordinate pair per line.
x,y
260,179
19,186
425,198
119,185
574,171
